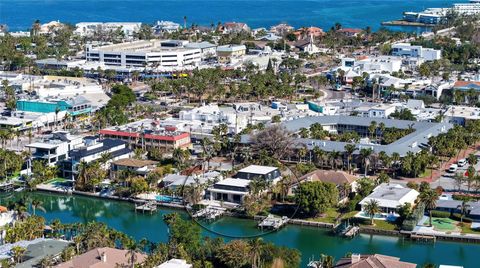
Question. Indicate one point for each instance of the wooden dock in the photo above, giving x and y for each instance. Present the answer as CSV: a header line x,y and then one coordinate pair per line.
x,y
351,231
423,237
150,206
272,222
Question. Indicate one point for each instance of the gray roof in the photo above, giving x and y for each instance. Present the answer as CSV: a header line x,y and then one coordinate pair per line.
x,y
36,252
201,45
409,143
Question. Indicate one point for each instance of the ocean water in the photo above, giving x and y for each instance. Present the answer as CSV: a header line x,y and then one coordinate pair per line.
x,y
20,14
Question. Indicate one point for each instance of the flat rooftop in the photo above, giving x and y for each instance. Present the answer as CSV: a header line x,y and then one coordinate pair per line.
x,y
255,169
234,182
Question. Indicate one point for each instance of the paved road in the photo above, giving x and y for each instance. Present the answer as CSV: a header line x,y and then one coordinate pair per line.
x,y
447,182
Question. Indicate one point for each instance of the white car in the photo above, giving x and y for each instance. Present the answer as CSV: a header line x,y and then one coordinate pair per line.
x,y
453,168
462,162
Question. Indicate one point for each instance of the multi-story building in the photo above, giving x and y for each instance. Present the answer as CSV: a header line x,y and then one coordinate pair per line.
x,y
230,53
74,107
146,53
408,50
55,147
467,9
149,133
207,49
92,150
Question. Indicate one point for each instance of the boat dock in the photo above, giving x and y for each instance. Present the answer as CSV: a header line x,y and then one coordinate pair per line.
x,y
351,231
423,237
150,206
210,213
272,222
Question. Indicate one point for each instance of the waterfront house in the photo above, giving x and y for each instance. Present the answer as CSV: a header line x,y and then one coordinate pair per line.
x,y
229,190
372,261
175,181
102,257
390,197
270,174
345,183
138,167
92,150
55,147
150,134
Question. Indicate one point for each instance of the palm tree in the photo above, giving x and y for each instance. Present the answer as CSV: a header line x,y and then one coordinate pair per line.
x,y
365,154
464,209
256,249
372,129
372,207
37,204
429,199
349,149
132,253
17,253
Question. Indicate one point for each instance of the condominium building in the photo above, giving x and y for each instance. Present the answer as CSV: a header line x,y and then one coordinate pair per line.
x,y
89,28
150,133
146,53
408,50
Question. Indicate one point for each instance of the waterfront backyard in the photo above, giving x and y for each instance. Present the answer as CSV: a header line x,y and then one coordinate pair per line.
x,y
309,240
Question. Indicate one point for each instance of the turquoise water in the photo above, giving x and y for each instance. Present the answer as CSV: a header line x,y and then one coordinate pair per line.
x,y
310,241
20,14
167,199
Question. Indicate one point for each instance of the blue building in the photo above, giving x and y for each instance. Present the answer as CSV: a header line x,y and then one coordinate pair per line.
x,y
74,107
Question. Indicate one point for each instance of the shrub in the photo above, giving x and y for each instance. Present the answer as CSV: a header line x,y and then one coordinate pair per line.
x,y
440,214
458,216
351,205
411,221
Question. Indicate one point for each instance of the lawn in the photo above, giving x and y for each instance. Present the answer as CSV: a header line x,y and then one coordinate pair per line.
x,y
328,217
379,224
443,224
55,180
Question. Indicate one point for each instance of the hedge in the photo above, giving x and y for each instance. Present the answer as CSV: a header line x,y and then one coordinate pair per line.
x,y
458,216
412,220
440,214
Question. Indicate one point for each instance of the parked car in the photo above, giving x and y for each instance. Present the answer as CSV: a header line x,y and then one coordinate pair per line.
x,y
453,168
462,162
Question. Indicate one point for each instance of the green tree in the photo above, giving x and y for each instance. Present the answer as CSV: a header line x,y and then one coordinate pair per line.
x,y
429,199
371,208
316,197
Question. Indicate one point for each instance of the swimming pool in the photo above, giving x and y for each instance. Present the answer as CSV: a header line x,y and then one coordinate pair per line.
x,y
168,199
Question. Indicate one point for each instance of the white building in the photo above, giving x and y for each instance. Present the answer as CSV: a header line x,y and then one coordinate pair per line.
x,y
460,115
175,263
146,53
390,197
468,9
55,147
207,49
229,190
408,50
165,27
376,111
89,28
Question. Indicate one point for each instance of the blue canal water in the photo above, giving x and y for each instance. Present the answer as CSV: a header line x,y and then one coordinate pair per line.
x,y
20,14
311,242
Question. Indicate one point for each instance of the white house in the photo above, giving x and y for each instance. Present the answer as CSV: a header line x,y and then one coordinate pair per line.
x,y
229,190
390,196
408,50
